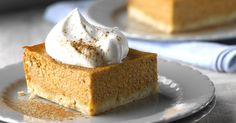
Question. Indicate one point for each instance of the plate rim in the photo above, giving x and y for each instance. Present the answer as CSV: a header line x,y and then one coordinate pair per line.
x,y
210,37
197,109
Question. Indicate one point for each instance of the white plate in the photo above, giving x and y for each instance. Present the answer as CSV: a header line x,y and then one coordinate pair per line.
x,y
183,92
113,13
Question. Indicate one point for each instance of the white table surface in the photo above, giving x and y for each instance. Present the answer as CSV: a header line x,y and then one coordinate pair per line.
x,y
28,27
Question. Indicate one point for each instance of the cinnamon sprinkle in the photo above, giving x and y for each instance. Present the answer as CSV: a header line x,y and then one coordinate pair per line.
x,y
37,107
41,110
88,49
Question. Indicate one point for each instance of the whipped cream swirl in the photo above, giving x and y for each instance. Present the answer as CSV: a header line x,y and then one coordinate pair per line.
x,y
75,41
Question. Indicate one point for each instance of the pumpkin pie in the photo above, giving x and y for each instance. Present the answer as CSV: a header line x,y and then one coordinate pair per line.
x,y
182,15
90,90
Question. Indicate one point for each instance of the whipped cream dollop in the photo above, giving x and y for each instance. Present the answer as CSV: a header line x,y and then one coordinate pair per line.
x,y
75,41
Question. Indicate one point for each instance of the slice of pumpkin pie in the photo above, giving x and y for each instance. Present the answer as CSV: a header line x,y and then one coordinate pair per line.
x,y
182,15
88,68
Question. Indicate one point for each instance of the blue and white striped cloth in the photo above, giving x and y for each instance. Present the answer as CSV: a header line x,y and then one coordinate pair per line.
x,y
209,55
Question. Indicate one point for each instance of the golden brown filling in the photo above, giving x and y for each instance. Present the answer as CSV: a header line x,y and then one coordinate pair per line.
x,y
90,88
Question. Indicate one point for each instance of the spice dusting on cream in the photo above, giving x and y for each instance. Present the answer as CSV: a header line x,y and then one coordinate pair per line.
x,y
77,42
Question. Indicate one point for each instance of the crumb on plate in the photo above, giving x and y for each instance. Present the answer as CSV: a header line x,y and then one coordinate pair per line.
x,y
21,93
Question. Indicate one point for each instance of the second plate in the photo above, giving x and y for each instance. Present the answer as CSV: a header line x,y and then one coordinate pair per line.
x,y
113,13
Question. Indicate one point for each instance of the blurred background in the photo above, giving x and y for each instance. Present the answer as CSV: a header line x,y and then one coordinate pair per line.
x,y
7,6
21,23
